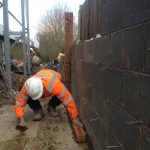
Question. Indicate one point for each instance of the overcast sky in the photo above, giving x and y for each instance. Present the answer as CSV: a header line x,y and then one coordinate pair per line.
x,y
37,8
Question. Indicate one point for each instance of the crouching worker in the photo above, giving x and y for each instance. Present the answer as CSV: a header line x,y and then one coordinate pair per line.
x,y
45,83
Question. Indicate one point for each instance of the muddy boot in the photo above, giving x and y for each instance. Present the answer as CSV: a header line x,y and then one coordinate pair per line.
x,y
38,115
53,111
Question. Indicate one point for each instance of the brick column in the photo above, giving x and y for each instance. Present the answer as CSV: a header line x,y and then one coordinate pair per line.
x,y
68,46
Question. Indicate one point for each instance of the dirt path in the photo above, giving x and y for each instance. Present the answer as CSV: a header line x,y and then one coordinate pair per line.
x,y
48,134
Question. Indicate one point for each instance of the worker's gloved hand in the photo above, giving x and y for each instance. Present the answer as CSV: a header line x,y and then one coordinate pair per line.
x,y
22,122
77,122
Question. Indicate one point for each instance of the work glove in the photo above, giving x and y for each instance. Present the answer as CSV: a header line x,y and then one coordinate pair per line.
x,y
77,122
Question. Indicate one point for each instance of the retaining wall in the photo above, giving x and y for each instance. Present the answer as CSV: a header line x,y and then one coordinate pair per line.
x,y
111,74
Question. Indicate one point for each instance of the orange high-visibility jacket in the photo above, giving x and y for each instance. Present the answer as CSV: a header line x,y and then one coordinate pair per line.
x,y
52,86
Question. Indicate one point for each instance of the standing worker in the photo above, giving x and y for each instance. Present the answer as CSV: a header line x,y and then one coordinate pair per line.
x,y
35,60
45,83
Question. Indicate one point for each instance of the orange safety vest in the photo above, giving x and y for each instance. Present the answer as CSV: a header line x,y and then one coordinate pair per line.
x,y
52,86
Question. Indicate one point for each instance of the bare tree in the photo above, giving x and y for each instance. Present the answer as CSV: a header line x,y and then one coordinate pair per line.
x,y
51,31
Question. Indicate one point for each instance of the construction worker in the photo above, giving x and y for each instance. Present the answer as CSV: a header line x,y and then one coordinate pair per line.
x,y
35,60
45,83
55,64
60,56
60,59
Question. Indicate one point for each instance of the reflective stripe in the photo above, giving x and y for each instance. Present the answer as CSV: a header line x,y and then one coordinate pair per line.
x,y
68,100
63,93
18,103
42,76
23,96
52,71
51,83
58,75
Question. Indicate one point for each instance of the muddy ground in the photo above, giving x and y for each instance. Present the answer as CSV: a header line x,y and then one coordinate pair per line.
x,y
48,134
55,134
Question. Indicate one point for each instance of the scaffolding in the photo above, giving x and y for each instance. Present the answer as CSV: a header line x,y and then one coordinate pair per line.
x,y
23,35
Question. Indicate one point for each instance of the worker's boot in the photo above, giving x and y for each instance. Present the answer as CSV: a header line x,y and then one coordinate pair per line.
x,y
53,111
38,115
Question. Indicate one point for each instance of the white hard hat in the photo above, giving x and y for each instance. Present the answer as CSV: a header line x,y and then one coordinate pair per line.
x,y
34,87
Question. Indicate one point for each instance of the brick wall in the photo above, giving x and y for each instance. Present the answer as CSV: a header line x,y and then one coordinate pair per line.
x,y
68,46
111,74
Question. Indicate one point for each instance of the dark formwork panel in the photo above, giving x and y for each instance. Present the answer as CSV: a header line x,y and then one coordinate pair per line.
x,y
83,107
89,95
99,130
136,95
102,50
128,48
77,99
80,51
112,141
74,84
84,68
90,113
136,11
105,1
119,56
134,48
89,51
92,139
85,75
95,127
144,138
80,22
100,103
93,18
99,16
90,74
109,81
112,16
83,23
147,49
85,20
81,73
120,125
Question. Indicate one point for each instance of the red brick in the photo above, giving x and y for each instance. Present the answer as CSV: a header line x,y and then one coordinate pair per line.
x,y
68,36
67,68
80,134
